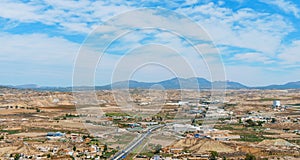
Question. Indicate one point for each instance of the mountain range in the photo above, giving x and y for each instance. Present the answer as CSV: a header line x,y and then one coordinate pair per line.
x,y
174,83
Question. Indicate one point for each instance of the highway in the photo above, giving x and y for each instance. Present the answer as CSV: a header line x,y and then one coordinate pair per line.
x,y
137,142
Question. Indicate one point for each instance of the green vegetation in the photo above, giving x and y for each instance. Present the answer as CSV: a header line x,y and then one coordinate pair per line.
x,y
297,104
157,149
213,155
250,138
38,110
107,155
105,148
223,119
273,120
250,157
197,122
17,156
230,105
65,117
117,114
148,154
94,142
230,127
251,123
11,131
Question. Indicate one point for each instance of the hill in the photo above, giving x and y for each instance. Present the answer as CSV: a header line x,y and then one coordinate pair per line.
x,y
174,83
290,85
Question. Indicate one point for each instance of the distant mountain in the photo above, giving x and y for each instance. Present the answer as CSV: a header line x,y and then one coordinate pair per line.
x,y
26,86
3,87
229,85
38,88
290,85
190,83
174,83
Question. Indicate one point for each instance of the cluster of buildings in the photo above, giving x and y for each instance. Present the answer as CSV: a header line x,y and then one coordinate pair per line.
x,y
57,145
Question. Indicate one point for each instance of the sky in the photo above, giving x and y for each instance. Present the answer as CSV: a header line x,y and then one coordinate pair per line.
x,y
255,42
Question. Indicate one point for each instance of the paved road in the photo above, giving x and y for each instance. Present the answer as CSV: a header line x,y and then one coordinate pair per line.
x,y
129,148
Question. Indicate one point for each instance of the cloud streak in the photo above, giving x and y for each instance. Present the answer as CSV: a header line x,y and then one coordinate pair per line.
x,y
285,5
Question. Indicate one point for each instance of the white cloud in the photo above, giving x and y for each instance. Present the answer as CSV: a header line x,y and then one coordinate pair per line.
x,y
19,11
82,16
285,5
36,58
290,54
72,16
77,27
190,2
37,49
244,28
252,57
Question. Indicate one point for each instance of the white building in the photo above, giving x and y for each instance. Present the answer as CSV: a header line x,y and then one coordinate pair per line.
x,y
55,100
276,103
185,128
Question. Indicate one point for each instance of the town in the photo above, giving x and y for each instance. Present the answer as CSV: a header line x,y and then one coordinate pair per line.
x,y
262,124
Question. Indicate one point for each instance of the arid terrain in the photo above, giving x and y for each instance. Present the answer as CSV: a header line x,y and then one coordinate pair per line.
x,y
191,125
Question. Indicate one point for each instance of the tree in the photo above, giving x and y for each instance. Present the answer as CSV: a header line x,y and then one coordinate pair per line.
x,y
213,155
250,122
157,148
193,121
240,121
273,120
74,148
17,156
105,148
250,157
260,123
285,129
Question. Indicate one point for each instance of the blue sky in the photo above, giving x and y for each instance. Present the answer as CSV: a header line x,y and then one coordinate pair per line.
x,y
258,40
